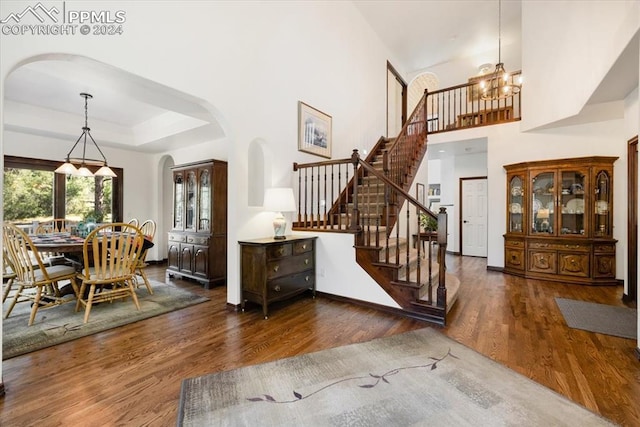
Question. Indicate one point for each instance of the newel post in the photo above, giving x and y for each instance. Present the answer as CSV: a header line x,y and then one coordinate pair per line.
x,y
355,216
442,250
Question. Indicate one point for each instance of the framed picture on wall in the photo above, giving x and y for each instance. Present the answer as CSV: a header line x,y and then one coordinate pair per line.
x,y
314,131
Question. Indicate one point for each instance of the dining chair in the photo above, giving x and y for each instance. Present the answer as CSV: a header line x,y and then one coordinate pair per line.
x,y
56,225
134,221
8,275
38,285
148,228
110,260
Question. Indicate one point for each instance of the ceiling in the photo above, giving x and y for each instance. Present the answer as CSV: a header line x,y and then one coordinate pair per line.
x,y
424,34
141,115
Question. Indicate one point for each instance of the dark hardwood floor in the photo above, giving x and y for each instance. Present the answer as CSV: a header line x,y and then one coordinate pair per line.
x,y
131,376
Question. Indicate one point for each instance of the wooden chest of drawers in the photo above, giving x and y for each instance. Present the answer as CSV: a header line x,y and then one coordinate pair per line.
x,y
275,270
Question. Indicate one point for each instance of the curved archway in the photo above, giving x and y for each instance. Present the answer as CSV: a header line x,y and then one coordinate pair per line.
x,y
190,120
427,80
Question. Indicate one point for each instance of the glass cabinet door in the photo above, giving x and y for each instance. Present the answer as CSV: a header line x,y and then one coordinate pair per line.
x,y
191,200
543,198
602,218
204,214
573,220
178,202
516,210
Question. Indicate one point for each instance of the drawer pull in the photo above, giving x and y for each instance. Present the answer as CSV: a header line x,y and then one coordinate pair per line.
x,y
304,246
281,251
275,268
277,288
306,278
306,261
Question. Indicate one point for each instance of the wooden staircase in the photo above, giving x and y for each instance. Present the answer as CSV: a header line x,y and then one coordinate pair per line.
x,y
372,201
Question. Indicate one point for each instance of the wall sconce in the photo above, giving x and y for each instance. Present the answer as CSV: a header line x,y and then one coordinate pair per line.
x,y
279,200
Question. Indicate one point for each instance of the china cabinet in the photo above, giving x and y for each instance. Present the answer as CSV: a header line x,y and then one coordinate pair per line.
x,y
560,220
198,237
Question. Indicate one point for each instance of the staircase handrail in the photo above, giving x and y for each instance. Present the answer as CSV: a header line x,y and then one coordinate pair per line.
x,y
403,131
297,166
400,157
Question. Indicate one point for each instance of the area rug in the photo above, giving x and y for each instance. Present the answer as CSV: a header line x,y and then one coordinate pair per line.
x,y
600,318
62,323
419,378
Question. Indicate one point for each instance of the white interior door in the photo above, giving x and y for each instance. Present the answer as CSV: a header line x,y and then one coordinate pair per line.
x,y
474,217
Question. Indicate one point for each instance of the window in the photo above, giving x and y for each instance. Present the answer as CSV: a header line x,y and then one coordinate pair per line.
x,y
33,192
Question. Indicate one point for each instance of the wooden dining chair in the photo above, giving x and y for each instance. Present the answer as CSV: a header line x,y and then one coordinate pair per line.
x,y
110,260
148,228
8,275
37,284
56,225
134,221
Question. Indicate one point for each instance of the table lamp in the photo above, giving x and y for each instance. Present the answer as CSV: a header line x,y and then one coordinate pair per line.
x,y
279,200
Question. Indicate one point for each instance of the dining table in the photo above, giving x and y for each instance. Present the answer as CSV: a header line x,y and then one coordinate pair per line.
x,y
57,242
66,242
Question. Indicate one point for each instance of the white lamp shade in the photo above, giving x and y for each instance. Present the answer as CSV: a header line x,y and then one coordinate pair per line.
x,y
67,169
83,171
105,171
279,200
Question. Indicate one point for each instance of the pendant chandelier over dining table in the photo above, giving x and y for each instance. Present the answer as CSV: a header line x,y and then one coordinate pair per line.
x,y
69,169
499,84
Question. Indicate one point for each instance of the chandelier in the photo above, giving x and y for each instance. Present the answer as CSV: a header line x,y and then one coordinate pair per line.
x,y
499,84
68,168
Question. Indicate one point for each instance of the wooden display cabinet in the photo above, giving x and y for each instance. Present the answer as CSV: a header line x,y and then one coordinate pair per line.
x,y
560,220
275,270
198,238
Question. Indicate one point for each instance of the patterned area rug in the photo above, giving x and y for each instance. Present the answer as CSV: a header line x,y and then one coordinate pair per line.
x,y
62,323
600,318
419,378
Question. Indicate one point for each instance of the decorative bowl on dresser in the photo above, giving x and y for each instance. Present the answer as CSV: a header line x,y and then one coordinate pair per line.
x,y
275,270
560,221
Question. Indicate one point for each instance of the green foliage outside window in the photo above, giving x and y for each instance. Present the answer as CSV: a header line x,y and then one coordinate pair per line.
x,y
28,196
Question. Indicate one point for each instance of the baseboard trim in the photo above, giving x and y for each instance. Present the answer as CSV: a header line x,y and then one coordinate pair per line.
x,y
637,353
378,307
495,268
233,307
626,298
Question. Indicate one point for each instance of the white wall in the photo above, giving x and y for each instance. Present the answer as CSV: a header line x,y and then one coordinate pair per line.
x,y
568,47
507,145
453,168
253,63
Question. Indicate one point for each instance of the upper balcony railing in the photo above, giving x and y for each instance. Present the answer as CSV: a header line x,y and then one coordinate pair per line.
x,y
461,107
